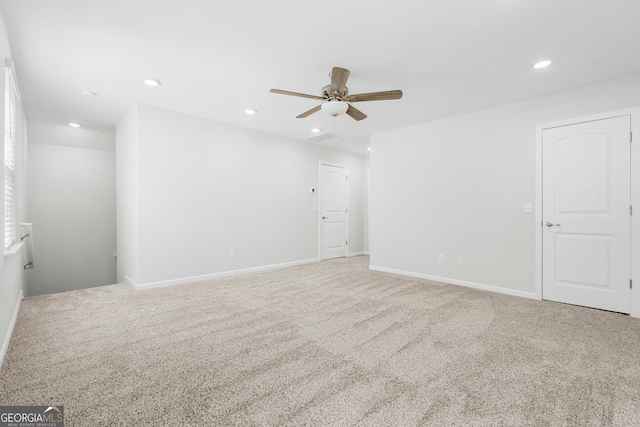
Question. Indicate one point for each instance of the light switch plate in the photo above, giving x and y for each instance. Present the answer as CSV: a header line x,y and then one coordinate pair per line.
x,y
528,207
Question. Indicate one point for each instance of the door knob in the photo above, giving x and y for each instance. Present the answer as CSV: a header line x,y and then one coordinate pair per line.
x,y
324,217
550,224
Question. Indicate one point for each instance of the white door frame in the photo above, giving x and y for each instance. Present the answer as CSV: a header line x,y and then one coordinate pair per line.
x,y
635,198
346,231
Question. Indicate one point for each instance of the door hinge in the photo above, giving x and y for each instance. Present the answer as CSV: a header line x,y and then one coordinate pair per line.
x,y
630,136
346,178
346,242
630,210
346,210
630,284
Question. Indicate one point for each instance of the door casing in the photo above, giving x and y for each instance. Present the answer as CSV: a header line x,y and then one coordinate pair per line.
x,y
635,198
346,231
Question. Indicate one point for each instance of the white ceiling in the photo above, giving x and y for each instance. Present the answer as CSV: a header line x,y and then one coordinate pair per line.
x,y
217,58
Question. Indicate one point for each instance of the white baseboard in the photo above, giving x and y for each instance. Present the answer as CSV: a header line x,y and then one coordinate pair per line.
x,y
354,254
129,281
366,253
490,288
7,337
141,286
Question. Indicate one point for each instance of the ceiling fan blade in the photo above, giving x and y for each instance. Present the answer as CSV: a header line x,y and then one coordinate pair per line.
x,y
310,112
301,95
356,114
339,78
375,96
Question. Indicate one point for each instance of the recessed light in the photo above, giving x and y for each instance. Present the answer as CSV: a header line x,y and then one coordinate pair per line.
x,y
315,130
74,125
368,148
542,64
250,111
152,82
89,92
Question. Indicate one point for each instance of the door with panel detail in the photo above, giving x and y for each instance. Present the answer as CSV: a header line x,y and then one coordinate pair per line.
x,y
586,196
333,211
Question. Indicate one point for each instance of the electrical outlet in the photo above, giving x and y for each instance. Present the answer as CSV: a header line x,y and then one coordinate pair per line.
x,y
232,253
440,258
460,260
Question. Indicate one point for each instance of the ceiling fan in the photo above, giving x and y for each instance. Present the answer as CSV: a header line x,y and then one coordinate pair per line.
x,y
336,97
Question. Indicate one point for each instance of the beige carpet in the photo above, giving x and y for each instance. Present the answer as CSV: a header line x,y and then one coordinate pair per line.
x,y
326,344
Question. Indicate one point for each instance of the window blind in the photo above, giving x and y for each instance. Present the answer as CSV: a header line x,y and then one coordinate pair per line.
x,y
9,159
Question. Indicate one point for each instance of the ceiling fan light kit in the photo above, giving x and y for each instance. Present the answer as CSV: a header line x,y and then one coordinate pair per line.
x,y
334,107
336,98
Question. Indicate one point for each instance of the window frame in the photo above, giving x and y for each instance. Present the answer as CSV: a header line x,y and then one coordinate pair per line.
x,y
10,160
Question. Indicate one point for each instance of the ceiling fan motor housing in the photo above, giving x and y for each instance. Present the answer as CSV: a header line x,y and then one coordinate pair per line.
x,y
330,92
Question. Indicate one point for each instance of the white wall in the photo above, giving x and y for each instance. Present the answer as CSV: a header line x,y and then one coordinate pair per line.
x,y
457,187
205,187
72,206
11,270
127,196
367,175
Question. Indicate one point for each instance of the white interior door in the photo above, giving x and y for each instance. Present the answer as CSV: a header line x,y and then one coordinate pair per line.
x,y
586,197
334,199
